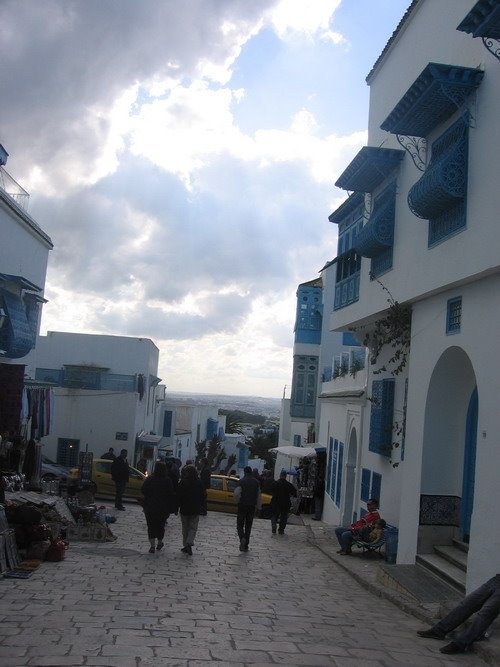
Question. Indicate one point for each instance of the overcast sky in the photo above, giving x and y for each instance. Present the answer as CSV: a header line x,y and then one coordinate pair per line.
x,y
181,156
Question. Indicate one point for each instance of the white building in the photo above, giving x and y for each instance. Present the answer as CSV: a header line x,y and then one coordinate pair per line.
x,y
429,240
24,252
105,393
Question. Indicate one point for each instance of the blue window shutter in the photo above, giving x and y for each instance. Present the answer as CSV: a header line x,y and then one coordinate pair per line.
x,y
381,417
167,424
334,468
212,428
349,339
339,474
376,486
329,472
365,484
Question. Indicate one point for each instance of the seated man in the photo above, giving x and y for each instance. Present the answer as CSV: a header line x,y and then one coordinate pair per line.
x,y
485,600
359,529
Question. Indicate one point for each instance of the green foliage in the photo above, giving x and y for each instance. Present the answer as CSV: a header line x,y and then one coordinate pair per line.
x,y
213,451
260,444
233,422
240,417
394,331
230,463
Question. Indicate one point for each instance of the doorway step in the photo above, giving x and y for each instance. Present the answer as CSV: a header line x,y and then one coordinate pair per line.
x,y
448,563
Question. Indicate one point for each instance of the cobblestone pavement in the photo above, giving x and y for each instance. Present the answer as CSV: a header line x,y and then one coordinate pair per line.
x,y
282,603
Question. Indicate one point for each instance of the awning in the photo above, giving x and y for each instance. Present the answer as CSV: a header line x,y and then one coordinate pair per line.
x,y
432,98
370,167
20,281
483,20
354,204
297,452
150,439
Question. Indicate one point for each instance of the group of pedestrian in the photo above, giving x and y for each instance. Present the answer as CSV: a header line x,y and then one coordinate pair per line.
x,y
163,497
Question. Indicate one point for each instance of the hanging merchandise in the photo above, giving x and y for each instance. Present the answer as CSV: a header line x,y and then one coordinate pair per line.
x,y
37,406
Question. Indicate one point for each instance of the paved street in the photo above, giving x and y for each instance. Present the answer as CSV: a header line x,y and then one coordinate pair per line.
x,y
282,603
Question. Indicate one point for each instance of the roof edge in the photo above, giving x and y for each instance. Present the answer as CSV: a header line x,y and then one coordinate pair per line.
x,y
393,39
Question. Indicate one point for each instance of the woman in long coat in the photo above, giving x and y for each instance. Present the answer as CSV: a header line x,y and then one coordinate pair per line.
x,y
191,495
159,502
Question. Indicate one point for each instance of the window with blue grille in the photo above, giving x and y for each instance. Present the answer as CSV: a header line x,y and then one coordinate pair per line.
x,y
349,217
167,424
376,239
454,315
381,416
439,196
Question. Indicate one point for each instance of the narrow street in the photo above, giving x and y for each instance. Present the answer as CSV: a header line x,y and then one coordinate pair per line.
x,y
284,602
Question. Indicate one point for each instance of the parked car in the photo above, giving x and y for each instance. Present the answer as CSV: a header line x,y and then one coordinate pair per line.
x,y
220,496
102,483
52,470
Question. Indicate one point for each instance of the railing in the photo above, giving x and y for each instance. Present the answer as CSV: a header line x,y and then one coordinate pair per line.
x,y
346,291
13,189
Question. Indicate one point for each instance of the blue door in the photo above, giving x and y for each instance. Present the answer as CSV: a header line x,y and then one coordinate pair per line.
x,y
469,467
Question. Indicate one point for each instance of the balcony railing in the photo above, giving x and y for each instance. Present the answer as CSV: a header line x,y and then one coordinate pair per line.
x,y
13,189
346,291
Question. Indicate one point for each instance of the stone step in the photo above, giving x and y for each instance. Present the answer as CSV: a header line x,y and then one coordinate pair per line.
x,y
463,546
453,555
445,570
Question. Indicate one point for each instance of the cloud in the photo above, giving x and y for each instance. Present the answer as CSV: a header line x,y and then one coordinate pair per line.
x,y
170,219
312,18
67,63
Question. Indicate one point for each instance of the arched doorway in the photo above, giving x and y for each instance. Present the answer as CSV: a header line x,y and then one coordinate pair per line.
x,y
350,479
448,461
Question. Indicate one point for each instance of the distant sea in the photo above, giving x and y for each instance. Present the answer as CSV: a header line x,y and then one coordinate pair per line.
x,y
256,405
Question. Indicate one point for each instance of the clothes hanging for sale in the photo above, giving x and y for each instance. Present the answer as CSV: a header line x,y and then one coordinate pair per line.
x,y
37,406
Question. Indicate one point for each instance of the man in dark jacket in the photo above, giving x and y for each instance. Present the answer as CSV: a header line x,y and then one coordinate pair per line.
x,y
282,492
119,473
248,490
205,477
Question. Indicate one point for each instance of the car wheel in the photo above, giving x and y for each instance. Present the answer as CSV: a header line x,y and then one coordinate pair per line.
x,y
265,512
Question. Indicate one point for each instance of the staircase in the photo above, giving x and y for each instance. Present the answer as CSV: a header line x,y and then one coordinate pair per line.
x,y
448,562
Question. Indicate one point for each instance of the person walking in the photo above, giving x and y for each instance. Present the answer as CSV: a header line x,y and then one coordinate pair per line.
x,y
191,496
205,477
120,475
158,503
249,499
282,492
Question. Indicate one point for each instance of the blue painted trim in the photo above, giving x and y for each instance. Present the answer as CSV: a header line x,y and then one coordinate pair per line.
x,y
365,484
469,465
338,490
